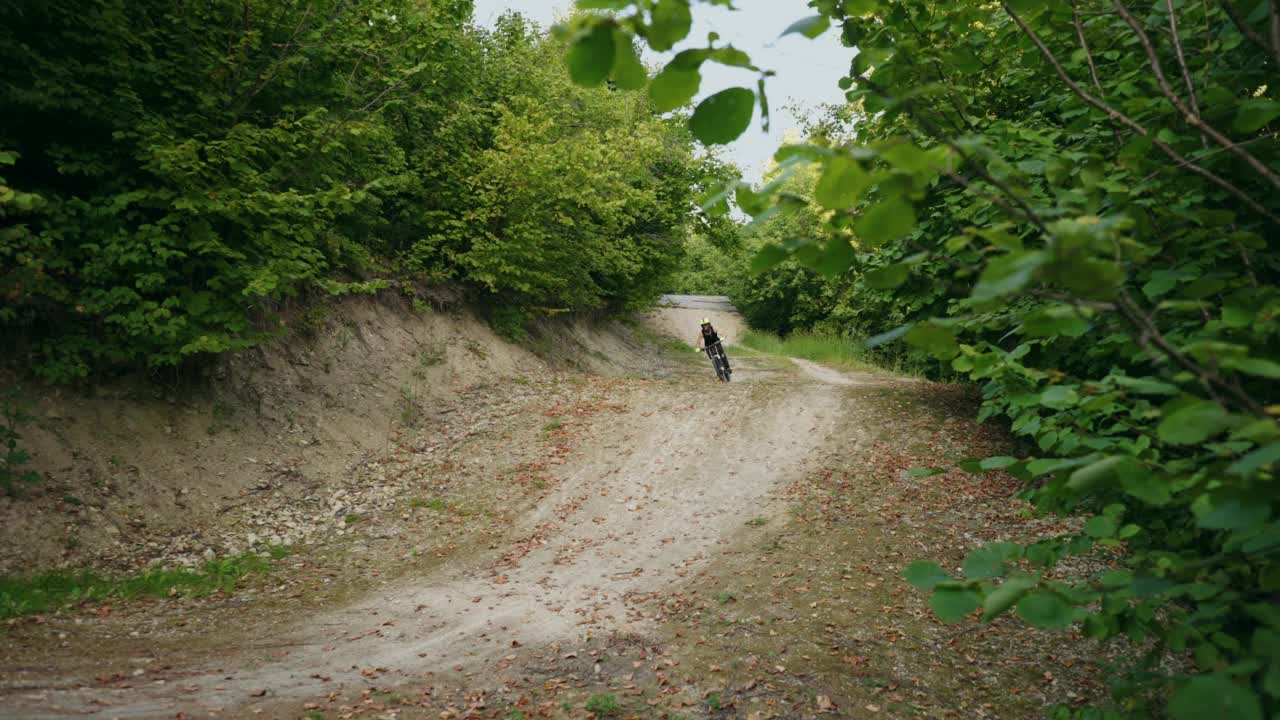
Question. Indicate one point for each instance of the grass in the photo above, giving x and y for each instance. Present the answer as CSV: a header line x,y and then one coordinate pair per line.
x,y
53,591
757,521
603,706
842,352
432,504
552,426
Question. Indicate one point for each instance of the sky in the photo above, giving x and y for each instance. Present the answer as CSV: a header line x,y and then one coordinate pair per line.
x,y
807,70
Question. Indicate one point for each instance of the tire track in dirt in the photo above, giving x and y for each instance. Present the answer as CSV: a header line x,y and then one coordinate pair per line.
x,y
649,503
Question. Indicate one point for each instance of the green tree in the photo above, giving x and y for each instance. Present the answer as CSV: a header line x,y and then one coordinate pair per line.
x,y
1073,204
173,175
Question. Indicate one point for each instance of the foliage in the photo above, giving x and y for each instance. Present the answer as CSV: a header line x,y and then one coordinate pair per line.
x,y
1075,205
707,269
170,176
55,591
843,352
12,417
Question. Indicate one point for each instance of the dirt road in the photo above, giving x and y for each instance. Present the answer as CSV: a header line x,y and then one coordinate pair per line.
x,y
652,487
645,503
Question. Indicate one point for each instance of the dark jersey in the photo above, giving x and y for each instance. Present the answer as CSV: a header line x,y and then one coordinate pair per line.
x,y
710,338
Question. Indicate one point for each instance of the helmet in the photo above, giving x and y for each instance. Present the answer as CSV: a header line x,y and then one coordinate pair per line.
x,y
706,321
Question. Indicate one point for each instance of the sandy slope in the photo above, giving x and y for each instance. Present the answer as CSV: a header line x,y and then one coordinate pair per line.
x,y
681,316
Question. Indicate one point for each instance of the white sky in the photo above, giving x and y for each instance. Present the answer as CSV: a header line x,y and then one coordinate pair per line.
x,y
807,70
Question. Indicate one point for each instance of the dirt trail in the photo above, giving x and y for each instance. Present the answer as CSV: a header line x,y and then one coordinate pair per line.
x,y
663,482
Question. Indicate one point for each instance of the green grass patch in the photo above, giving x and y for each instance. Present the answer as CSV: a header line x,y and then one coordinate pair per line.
x,y
845,353
53,591
834,350
603,706
675,345
431,504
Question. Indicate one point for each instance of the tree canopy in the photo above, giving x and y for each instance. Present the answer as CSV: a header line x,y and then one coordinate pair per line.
x,y
172,174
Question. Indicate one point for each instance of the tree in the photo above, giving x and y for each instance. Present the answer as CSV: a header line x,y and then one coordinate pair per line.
x,y
1073,204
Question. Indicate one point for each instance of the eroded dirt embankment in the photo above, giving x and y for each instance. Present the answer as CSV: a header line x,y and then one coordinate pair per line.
x,y
254,452
672,545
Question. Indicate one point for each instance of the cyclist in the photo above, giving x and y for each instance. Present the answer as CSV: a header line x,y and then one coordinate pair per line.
x,y
708,339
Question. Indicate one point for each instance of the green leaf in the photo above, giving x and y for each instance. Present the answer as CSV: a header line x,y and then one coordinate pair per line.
x,y
1049,465
1254,114
1008,274
1228,511
1255,366
721,118
983,562
628,73
670,24
1096,473
811,27
1045,609
1101,526
937,340
1192,424
731,56
591,55
1003,597
888,277
836,258
768,257
925,575
953,604
908,158
1161,282
1256,460
842,183
885,221
1144,385
1059,397
1053,321
888,336
673,87
997,463
1138,481
1214,696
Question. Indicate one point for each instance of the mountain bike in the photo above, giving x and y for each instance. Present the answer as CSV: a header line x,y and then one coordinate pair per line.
x,y
719,360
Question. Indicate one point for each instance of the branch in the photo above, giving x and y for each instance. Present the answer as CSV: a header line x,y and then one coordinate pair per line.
x,y
1030,214
1274,12
965,183
1192,119
1120,118
1182,63
1150,336
242,103
1247,30
1084,45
